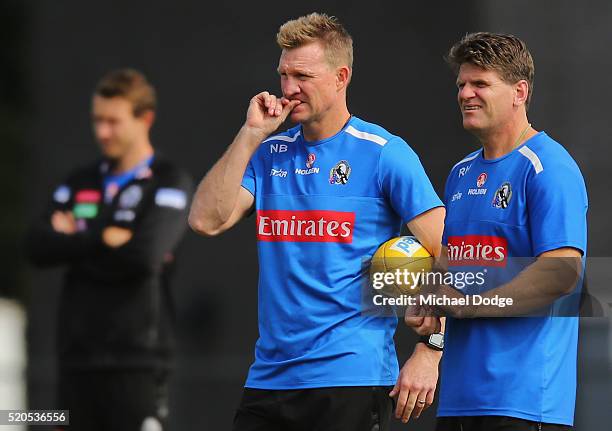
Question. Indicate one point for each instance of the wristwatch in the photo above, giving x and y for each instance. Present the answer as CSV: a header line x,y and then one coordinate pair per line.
x,y
433,341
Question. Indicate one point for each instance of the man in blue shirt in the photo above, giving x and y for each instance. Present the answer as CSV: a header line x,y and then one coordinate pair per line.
x,y
520,196
326,194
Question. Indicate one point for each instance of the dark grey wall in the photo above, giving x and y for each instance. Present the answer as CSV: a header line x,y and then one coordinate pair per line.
x,y
207,60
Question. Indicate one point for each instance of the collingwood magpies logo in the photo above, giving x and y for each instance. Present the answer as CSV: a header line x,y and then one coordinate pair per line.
x,y
502,196
340,173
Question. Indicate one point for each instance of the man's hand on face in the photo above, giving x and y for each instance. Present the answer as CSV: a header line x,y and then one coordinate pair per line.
x,y
115,237
267,112
63,222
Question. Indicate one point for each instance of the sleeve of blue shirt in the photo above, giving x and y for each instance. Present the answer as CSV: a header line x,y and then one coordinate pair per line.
x,y
248,179
446,198
404,181
557,205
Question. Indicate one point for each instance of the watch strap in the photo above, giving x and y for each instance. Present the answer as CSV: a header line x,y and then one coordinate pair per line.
x,y
426,339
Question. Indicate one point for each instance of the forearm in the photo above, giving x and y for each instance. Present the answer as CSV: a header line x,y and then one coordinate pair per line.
x,y
428,228
46,247
421,348
534,288
153,242
434,356
537,286
217,194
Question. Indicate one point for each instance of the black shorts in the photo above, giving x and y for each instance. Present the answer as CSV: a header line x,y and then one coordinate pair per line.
x,y
494,423
114,400
358,408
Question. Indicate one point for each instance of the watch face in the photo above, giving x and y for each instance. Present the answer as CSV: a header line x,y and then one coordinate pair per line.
x,y
437,340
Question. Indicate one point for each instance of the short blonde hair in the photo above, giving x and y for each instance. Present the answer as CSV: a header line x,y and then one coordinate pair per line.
x,y
318,27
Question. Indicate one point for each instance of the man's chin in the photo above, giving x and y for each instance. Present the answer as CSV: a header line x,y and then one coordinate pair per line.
x,y
298,117
471,126
109,154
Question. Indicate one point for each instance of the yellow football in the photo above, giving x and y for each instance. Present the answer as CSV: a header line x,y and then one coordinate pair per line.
x,y
399,265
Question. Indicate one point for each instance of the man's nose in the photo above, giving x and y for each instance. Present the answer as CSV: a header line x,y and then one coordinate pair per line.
x,y
103,130
290,87
466,92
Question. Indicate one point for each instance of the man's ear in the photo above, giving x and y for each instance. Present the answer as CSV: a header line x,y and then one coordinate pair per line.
x,y
343,77
521,92
148,117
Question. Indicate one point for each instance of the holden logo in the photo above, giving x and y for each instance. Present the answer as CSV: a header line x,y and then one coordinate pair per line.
x,y
311,160
482,178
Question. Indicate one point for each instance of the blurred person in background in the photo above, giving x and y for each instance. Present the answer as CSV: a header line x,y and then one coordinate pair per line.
x,y
327,193
116,223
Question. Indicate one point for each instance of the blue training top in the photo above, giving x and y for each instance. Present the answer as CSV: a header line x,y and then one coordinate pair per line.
x,y
525,203
322,208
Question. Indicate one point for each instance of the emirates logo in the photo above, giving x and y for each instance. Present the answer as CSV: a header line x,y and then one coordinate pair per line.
x,y
305,226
